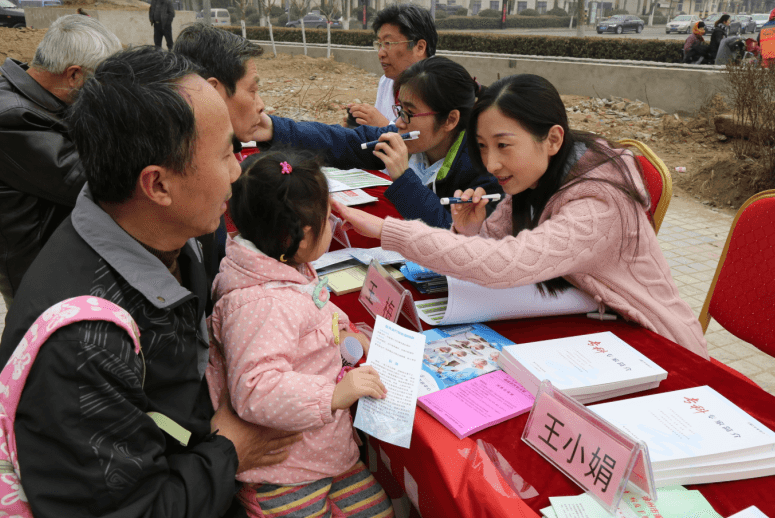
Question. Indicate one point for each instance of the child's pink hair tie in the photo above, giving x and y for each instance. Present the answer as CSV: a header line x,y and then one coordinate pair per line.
x,y
286,167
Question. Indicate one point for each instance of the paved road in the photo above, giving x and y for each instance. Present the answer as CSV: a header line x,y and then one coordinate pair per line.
x,y
649,33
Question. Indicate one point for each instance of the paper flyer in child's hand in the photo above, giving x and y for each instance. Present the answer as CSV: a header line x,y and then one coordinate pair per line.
x,y
396,354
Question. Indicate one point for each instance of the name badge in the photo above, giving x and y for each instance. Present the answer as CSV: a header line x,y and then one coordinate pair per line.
x,y
384,296
600,458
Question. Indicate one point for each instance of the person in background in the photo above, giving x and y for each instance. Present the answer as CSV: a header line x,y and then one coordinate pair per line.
x,y
40,172
161,14
435,97
575,213
766,40
730,50
91,450
227,62
694,46
720,31
406,34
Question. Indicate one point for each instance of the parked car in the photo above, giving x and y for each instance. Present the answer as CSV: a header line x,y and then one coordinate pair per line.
x,y
747,23
217,16
682,23
734,24
10,15
760,20
39,3
314,21
620,23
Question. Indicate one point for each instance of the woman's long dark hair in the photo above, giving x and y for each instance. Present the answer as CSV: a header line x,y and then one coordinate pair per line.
x,y
444,86
536,106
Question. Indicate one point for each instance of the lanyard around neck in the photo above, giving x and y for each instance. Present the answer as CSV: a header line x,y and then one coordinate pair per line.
x,y
451,154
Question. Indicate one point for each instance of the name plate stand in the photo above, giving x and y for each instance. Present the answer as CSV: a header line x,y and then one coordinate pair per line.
x,y
599,457
338,232
384,296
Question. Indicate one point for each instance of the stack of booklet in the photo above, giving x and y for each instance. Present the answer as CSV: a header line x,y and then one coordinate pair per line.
x,y
425,280
589,368
695,436
460,383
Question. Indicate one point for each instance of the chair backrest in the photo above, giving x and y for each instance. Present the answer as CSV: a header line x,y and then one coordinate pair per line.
x,y
658,181
741,295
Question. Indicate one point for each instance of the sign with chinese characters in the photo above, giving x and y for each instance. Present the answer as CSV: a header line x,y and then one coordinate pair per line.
x,y
596,455
384,296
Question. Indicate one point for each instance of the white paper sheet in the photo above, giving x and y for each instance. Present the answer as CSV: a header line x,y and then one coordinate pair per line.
x,y
468,303
365,255
432,311
335,186
396,354
750,512
329,258
354,178
352,197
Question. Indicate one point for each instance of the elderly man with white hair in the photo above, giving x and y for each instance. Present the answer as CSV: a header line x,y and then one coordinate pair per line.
x,y
40,171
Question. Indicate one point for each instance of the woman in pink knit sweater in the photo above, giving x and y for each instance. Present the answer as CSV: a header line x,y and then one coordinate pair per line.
x,y
276,339
574,212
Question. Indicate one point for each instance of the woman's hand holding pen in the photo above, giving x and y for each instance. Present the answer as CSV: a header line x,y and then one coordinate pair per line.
x,y
469,217
363,222
392,151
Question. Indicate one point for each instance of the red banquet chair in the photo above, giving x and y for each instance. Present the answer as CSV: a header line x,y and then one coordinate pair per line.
x,y
658,181
741,295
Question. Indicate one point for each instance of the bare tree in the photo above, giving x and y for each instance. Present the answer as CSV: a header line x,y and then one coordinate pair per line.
x,y
241,6
302,8
266,7
328,8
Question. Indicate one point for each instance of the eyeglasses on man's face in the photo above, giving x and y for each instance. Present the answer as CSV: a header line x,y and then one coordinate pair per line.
x,y
405,116
388,44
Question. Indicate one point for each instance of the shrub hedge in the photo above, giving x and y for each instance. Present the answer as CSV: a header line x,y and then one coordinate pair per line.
x,y
489,13
663,51
529,12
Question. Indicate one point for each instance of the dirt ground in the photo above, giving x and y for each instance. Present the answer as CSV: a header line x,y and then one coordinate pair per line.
x,y
307,88
19,43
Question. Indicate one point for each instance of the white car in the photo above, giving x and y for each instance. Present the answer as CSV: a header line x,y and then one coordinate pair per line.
x,y
760,20
682,23
217,16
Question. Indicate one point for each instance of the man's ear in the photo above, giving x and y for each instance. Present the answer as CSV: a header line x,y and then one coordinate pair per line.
x,y
218,86
421,47
74,76
154,185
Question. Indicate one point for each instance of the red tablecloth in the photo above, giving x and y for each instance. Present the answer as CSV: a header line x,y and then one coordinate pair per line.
x,y
454,479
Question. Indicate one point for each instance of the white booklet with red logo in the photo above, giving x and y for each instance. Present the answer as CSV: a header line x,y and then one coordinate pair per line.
x,y
695,436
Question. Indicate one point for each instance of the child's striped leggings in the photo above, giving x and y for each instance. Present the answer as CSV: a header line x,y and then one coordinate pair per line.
x,y
354,493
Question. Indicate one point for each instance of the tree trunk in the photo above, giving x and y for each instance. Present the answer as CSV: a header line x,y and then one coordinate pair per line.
x,y
580,18
206,12
328,35
303,35
271,38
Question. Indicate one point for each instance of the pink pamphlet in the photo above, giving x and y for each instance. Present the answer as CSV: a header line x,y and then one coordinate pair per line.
x,y
478,403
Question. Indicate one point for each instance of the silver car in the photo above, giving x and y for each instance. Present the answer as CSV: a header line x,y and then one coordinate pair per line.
x,y
682,23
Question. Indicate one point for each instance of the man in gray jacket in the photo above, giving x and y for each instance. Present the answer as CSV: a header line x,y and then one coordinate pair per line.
x,y
40,171
161,14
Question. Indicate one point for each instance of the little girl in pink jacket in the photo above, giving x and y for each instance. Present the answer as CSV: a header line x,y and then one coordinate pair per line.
x,y
575,213
275,345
